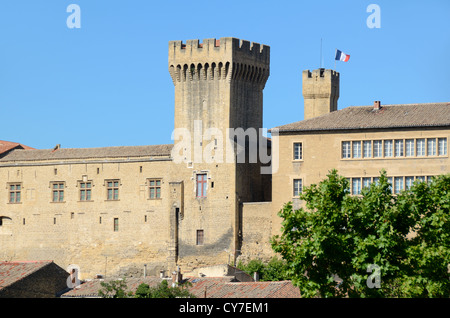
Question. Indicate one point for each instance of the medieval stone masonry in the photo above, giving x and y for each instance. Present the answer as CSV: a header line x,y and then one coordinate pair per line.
x,y
114,211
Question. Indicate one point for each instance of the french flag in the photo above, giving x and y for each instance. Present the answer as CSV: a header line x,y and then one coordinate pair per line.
x,y
341,56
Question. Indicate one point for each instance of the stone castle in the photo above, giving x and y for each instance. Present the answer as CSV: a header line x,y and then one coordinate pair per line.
x,y
207,199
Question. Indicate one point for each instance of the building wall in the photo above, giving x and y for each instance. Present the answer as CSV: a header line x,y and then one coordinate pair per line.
x,y
322,153
82,233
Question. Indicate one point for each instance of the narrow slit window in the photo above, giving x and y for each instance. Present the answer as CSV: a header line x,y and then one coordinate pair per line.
x,y
200,237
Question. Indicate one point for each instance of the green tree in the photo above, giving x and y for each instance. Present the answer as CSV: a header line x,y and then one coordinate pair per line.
x,y
360,246
117,289
114,289
162,290
274,270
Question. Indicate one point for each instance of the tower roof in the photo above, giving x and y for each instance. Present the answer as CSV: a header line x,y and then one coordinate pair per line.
x,y
371,117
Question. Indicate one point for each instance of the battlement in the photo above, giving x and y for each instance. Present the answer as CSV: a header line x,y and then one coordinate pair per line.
x,y
321,73
227,58
225,46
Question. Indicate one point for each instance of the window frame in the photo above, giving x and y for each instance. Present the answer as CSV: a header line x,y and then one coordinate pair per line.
x,y
154,187
85,190
16,193
297,146
59,191
346,150
442,150
204,185
200,237
113,187
297,190
356,151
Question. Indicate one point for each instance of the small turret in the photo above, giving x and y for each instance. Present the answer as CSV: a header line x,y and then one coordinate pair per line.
x,y
320,92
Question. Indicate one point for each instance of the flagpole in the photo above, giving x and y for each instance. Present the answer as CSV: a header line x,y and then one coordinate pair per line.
x,y
335,60
320,52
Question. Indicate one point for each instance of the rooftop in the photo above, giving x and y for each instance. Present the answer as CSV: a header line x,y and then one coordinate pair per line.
x,y
368,117
11,272
9,145
203,287
88,153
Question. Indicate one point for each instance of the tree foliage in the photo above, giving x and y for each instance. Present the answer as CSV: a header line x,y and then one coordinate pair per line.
x,y
162,290
373,245
274,270
117,289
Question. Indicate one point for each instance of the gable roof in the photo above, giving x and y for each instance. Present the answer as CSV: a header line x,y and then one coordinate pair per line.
x,y
367,117
214,288
89,153
12,272
9,145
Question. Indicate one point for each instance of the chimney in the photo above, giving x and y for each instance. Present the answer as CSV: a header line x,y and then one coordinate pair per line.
x,y
256,276
376,105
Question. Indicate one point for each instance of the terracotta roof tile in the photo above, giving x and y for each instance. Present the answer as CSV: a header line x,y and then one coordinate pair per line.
x,y
8,145
214,287
11,272
366,117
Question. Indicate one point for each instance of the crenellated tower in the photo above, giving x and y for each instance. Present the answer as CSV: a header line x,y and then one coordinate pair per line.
x,y
220,82
218,85
320,92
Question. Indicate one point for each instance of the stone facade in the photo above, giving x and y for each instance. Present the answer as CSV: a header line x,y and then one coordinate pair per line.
x,y
117,210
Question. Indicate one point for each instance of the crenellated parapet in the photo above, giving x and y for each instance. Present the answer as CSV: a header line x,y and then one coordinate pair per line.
x,y
224,59
320,92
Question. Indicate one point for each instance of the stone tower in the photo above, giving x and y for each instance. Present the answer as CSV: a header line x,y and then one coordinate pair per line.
x,y
219,82
218,86
320,92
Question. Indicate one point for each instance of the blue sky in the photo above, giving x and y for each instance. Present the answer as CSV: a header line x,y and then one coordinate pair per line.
x,y
107,83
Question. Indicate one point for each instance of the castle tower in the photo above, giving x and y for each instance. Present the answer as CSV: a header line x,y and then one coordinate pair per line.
x,y
320,92
219,82
218,85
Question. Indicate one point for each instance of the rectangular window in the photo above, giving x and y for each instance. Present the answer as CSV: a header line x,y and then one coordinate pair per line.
x,y
409,182
442,146
399,148
116,224
15,193
377,148
298,151
388,145
390,183
346,149
200,237
376,180
420,179
85,191
298,187
112,189
409,143
366,182
57,191
367,144
420,147
356,186
154,188
356,148
431,147
201,185
398,184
